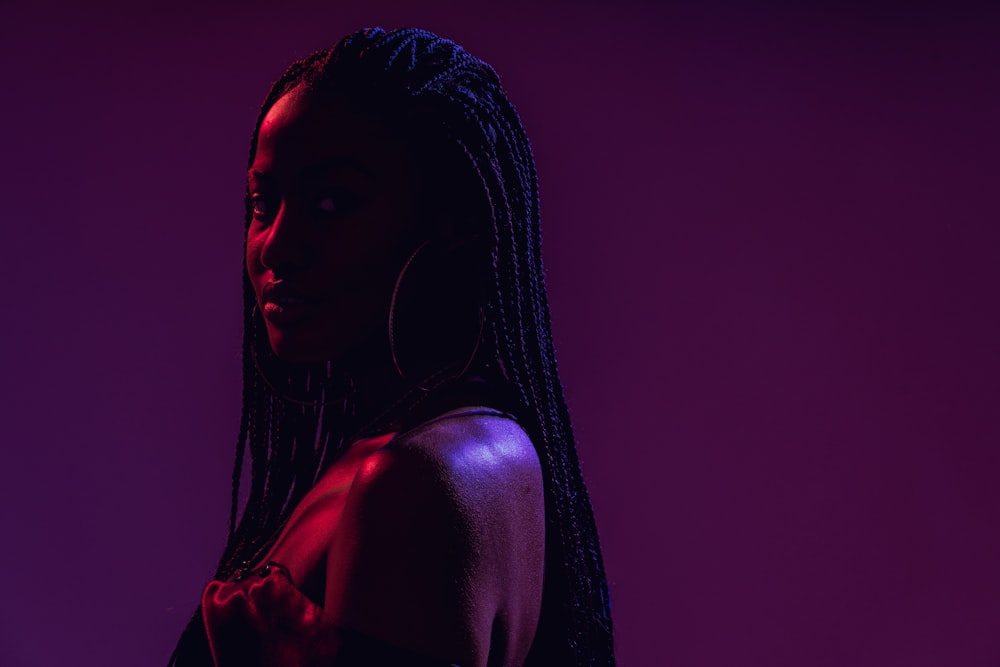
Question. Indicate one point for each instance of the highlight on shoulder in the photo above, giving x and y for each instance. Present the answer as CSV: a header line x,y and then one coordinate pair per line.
x,y
441,550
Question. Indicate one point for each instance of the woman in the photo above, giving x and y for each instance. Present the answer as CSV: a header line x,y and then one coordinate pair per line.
x,y
415,493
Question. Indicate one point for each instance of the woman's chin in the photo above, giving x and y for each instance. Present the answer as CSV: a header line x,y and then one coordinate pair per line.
x,y
293,348
297,356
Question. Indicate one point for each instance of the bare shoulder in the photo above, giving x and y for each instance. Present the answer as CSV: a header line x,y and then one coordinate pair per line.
x,y
441,549
480,449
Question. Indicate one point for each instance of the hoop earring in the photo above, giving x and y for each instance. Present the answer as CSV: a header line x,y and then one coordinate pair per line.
x,y
438,380
347,400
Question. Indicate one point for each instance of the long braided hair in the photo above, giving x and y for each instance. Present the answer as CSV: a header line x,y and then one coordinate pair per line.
x,y
426,86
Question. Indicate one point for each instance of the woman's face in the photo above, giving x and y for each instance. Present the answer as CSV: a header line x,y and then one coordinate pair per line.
x,y
334,216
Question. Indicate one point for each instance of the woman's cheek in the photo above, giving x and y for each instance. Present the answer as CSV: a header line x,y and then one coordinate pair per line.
x,y
254,243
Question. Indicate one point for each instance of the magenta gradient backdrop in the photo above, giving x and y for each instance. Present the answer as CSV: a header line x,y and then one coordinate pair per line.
x,y
772,244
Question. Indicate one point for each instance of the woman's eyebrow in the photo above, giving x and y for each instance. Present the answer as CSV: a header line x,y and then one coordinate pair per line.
x,y
318,168
337,162
257,175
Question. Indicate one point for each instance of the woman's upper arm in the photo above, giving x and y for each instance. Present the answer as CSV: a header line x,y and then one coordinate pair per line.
x,y
440,549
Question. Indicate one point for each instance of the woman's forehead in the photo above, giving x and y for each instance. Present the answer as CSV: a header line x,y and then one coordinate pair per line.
x,y
301,129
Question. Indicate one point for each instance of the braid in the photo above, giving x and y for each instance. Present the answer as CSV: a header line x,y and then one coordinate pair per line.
x,y
425,85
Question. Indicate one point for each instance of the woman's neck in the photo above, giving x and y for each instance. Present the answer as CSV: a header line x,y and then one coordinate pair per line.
x,y
382,400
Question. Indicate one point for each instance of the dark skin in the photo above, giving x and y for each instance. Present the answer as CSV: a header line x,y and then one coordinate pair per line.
x,y
334,219
435,542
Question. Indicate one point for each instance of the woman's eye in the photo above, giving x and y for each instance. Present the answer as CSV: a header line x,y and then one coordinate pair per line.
x,y
328,205
262,206
336,203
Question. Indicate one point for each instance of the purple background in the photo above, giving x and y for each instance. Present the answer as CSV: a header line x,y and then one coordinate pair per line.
x,y
772,242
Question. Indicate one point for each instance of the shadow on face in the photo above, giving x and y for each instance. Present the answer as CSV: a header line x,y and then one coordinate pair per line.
x,y
334,218
340,202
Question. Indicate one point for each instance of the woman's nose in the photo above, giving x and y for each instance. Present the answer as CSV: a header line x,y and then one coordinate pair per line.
x,y
285,247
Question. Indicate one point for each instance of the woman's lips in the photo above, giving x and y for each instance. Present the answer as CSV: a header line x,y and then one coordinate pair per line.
x,y
287,311
284,305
